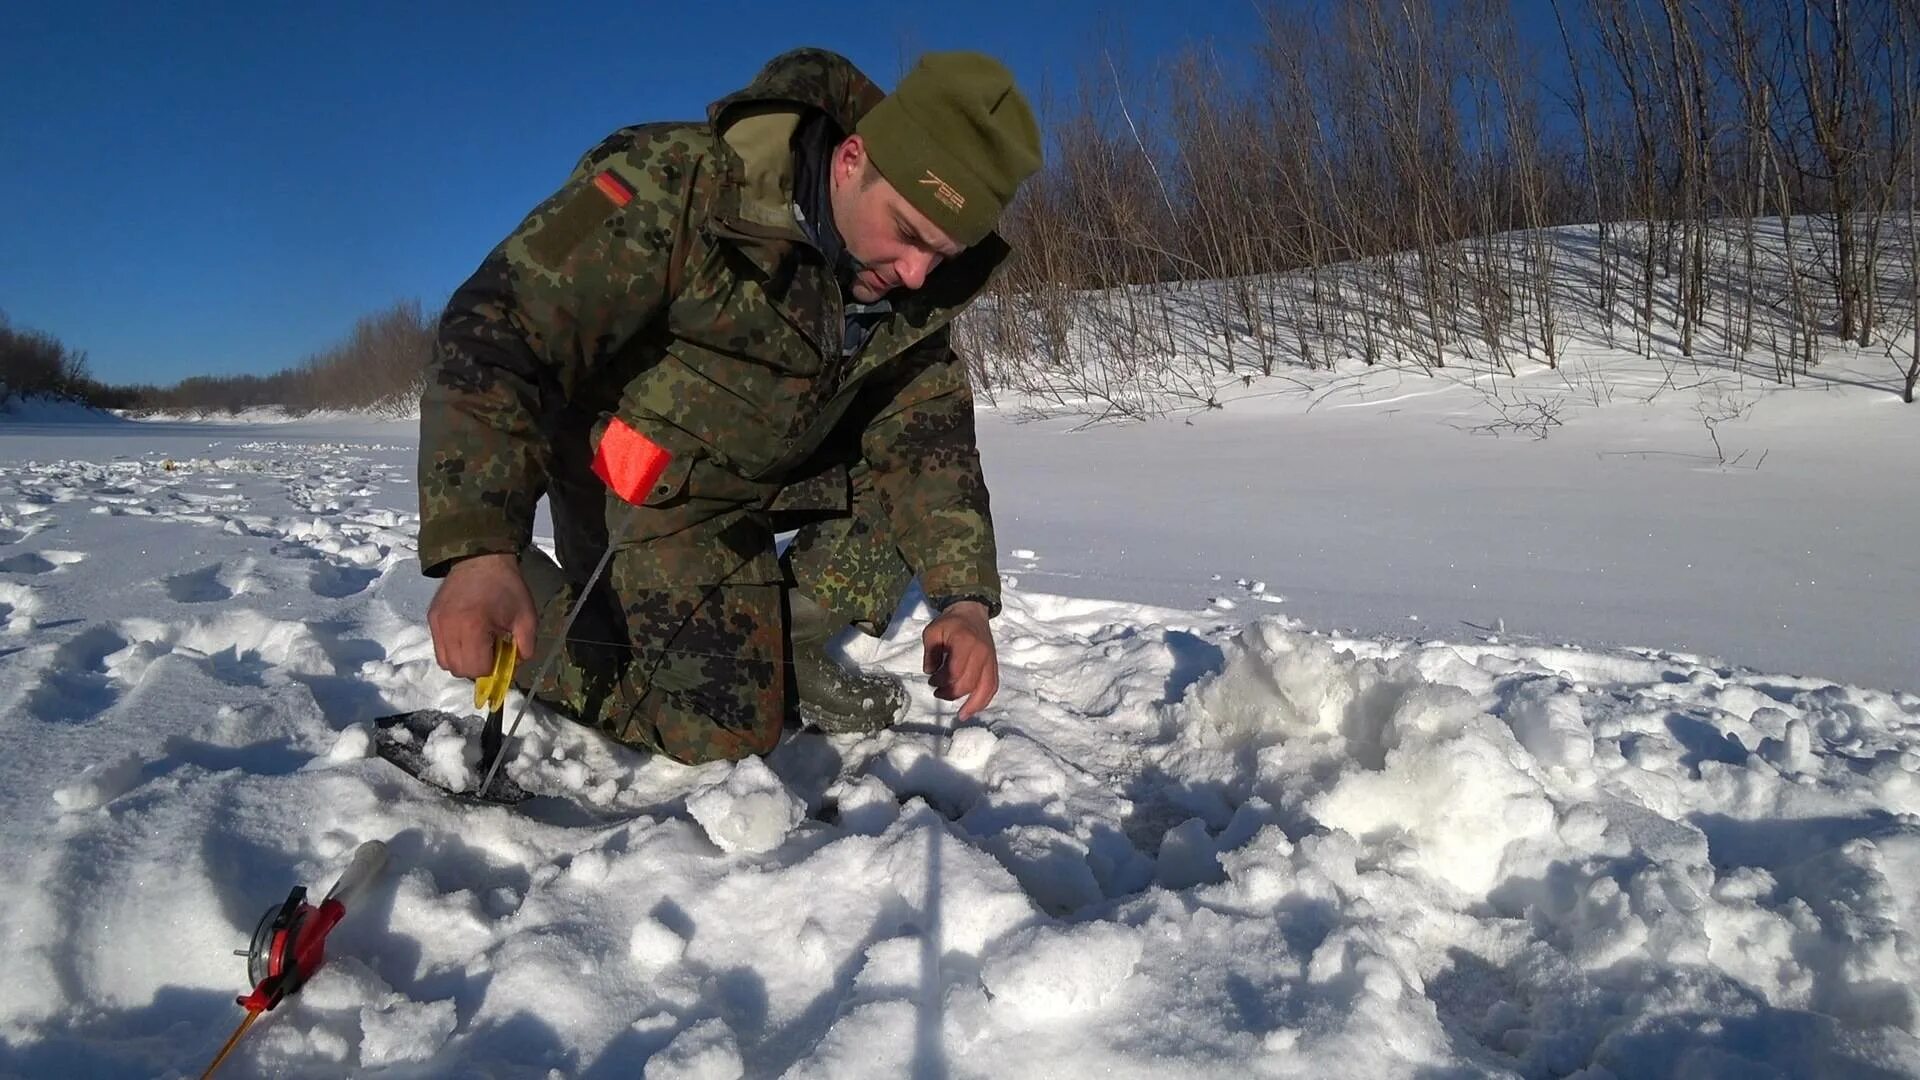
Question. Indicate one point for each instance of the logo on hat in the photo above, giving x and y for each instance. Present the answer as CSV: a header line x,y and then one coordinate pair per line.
x,y
944,192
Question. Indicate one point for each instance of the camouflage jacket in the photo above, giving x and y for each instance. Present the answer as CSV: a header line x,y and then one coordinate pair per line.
x,y
668,284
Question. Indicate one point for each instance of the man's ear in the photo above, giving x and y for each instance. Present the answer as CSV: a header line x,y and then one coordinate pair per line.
x,y
849,158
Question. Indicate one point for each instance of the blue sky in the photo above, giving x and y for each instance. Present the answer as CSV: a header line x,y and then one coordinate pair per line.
x,y
215,188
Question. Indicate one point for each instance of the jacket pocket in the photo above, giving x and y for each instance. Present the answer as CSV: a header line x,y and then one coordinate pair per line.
x,y
671,487
739,414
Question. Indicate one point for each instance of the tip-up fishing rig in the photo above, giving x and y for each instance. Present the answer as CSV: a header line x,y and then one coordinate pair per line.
x,y
290,943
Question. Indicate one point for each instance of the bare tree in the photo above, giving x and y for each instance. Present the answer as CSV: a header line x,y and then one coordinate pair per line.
x,y
1904,171
1606,290
1687,72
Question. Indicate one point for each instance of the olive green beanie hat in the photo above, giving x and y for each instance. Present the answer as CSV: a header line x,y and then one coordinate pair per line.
x,y
955,138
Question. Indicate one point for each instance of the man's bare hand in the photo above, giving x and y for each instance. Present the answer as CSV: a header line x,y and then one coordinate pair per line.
x,y
482,599
959,655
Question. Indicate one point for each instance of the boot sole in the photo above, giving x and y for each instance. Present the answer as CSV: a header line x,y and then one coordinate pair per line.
x,y
833,723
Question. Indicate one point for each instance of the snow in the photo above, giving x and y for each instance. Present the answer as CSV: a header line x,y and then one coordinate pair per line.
x,y
1397,518
1050,974
452,760
746,808
1552,834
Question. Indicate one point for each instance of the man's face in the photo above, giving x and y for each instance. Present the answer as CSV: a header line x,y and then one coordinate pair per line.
x,y
895,244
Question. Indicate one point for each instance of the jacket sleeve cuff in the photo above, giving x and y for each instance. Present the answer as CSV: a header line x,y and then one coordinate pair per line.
x,y
947,600
448,538
950,584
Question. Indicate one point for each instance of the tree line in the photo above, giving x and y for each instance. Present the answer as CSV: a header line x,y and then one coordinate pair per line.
x,y
1403,182
1382,181
35,363
379,367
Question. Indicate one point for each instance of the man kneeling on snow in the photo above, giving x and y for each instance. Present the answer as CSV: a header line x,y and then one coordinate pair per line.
x,y
765,297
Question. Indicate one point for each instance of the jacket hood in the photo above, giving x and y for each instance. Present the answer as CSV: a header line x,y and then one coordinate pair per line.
x,y
796,81
757,124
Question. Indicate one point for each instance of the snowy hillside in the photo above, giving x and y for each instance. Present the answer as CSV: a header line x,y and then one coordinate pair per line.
x,y
1738,501
1206,839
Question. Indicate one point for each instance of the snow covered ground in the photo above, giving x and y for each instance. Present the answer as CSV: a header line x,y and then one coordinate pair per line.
x,y
1400,777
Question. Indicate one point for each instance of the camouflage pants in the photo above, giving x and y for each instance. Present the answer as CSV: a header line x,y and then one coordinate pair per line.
x,y
701,672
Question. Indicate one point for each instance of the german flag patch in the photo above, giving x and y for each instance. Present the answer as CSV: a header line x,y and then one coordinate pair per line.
x,y
617,191
574,220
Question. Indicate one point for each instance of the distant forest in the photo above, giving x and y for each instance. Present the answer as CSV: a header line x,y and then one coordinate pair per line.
x,y
378,368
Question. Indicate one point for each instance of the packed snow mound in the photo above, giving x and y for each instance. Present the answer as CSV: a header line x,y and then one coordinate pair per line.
x,y
1549,850
1050,974
746,809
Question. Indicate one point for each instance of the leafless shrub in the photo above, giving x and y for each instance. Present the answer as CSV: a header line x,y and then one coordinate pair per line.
x,y
1534,417
1718,407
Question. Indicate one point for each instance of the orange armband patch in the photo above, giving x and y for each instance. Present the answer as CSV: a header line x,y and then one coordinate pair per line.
x,y
628,462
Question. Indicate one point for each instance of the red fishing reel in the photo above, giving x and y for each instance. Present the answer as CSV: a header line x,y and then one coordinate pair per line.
x,y
288,946
290,943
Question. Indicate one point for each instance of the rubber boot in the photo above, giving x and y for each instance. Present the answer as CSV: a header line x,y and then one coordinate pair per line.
x,y
831,698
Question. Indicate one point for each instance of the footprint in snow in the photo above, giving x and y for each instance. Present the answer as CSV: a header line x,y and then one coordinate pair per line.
x,y
75,686
40,562
339,582
207,585
30,563
294,549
